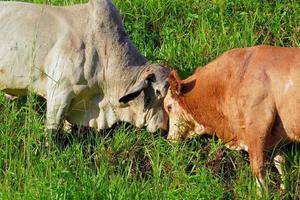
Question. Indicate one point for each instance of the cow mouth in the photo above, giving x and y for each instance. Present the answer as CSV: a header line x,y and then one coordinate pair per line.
x,y
172,139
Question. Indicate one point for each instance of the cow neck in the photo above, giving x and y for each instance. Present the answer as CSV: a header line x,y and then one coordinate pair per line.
x,y
110,37
115,50
109,48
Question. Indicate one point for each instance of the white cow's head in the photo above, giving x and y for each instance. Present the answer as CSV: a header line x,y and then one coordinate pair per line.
x,y
144,98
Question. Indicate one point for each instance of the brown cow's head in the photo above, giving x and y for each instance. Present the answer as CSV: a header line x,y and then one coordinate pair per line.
x,y
145,98
181,123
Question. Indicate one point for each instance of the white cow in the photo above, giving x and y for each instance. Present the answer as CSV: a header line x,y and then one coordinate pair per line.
x,y
80,59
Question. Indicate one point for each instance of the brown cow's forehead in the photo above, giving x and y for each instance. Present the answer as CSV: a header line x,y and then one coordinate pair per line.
x,y
168,99
175,110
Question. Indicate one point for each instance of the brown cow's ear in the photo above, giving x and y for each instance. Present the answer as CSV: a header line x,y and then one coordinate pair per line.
x,y
175,83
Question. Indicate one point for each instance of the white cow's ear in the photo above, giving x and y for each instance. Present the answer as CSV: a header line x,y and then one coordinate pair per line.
x,y
136,89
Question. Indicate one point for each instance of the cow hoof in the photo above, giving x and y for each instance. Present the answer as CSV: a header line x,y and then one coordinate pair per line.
x,y
67,126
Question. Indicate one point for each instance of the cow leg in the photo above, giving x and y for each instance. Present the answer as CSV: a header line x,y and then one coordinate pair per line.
x,y
260,115
279,162
257,131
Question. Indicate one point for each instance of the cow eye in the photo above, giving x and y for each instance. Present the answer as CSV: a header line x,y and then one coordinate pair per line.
x,y
158,93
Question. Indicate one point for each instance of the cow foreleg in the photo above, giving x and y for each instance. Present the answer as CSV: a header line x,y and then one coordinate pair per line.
x,y
256,139
259,120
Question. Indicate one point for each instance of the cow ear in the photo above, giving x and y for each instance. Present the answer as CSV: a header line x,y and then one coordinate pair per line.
x,y
136,89
175,83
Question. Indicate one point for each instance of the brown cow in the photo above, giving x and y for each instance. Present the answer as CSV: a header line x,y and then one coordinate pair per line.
x,y
248,97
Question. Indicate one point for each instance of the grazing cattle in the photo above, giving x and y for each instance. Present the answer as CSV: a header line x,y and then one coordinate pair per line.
x,y
80,59
247,97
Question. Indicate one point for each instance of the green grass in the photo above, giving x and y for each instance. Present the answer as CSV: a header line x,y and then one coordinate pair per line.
x,y
126,163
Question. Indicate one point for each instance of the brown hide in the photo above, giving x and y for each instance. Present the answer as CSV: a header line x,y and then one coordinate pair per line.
x,y
248,97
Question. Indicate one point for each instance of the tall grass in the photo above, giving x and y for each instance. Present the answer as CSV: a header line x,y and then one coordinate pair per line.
x,y
126,163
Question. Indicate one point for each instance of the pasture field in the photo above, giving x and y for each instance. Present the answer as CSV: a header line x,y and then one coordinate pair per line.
x,y
126,163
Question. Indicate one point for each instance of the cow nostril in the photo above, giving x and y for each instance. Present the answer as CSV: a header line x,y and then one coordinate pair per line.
x,y
158,93
169,107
